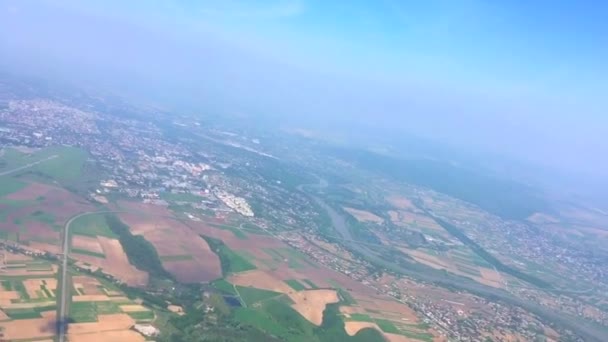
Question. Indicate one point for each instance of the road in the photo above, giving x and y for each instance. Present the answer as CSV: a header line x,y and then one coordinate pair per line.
x,y
27,166
65,294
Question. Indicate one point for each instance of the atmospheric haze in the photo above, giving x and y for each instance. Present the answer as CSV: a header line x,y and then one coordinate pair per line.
x,y
515,79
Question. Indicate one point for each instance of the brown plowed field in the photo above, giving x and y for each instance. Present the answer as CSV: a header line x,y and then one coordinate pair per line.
x,y
29,329
173,238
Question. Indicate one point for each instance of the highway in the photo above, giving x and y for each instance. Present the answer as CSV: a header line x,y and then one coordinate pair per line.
x,y
62,317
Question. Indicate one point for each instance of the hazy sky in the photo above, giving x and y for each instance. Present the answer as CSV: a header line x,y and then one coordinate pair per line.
x,y
524,78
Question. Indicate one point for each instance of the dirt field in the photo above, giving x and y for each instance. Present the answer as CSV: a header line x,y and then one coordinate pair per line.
x,y
364,216
352,328
172,238
115,262
401,202
406,218
133,308
87,243
27,329
105,323
491,277
122,335
262,280
88,285
33,287
312,303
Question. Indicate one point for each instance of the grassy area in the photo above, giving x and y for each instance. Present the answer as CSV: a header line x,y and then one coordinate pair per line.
x,y
87,252
43,217
175,257
279,319
142,315
231,261
251,295
387,326
180,197
28,313
224,286
9,185
295,284
81,312
359,317
92,225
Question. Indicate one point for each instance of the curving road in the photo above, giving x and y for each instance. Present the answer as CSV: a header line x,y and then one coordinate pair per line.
x,y
62,318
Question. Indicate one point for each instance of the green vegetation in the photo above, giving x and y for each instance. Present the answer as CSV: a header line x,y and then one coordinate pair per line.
x,y
29,312
92,225
180,197
9,185
231,262
87,252
142,315
296,285
81,312
251,295
358,317
224,286
140,252
43,217
175,257
387,326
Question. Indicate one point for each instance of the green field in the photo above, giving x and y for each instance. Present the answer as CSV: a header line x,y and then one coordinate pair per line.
x,y
231,261
175,257
387,326
224,286
28,313
81,312
92,225
66,166
180,197
279,319
251,295
296,285
9,185
142,315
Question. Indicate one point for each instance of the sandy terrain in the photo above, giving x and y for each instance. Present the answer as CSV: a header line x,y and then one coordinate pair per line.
x,y
490,277
364,216
87,243
352,328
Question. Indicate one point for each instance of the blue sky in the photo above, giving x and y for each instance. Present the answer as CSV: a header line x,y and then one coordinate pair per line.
x,y
523,78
